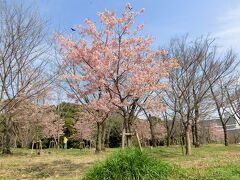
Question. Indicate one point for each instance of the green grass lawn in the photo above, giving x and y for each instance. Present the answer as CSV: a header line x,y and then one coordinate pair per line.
x,y
207,162
51,164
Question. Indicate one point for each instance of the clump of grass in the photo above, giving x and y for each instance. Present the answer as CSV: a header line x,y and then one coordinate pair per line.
x,y
130,164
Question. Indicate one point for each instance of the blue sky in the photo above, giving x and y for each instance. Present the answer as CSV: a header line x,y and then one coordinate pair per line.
x,y
163,19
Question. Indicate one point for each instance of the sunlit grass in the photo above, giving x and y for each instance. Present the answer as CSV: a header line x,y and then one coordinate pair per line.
x,y
207,162
57,164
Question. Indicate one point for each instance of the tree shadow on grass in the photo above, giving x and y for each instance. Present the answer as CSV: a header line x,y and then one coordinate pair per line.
x,y
56,168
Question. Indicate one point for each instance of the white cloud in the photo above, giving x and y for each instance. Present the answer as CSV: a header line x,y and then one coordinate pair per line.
x,y
228,32
228,25
231,15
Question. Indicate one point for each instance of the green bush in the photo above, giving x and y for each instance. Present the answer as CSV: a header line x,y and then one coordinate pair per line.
x,y
128,165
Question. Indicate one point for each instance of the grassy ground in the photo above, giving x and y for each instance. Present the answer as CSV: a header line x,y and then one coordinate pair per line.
x,y
52,164
207,162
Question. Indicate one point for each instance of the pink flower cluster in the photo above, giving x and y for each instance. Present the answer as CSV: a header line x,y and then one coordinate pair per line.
x,y
115,66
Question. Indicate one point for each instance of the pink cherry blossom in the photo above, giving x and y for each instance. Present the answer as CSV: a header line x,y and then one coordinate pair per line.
x,y
140,27
115,66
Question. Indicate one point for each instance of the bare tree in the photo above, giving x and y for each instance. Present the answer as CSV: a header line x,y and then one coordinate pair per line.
x,y
22,61
190,85
233,97
220,97
152,123
169,116
220,81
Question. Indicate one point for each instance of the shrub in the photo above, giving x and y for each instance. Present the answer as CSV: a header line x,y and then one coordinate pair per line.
x,y
129,164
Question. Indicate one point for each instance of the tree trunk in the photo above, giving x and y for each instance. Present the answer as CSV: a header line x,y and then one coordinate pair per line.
x,y
182,143
152,132
193,135
22,144
225,135
129,137
127,131
197,142
103,135
168,140
98,139
196,132
108,136
58,142
188,141
123,136
7,137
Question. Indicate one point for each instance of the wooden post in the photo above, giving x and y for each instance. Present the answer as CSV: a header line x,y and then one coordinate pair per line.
x,y
52,144
40,142
32,147
15,142
82,145
37,147
139,143
123,138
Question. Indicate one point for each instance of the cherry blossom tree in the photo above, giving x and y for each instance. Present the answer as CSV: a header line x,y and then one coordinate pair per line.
x,y
85,129
90,120
152,109
146,132
23,117
52,125
33,122
115,64
211,132
143,129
